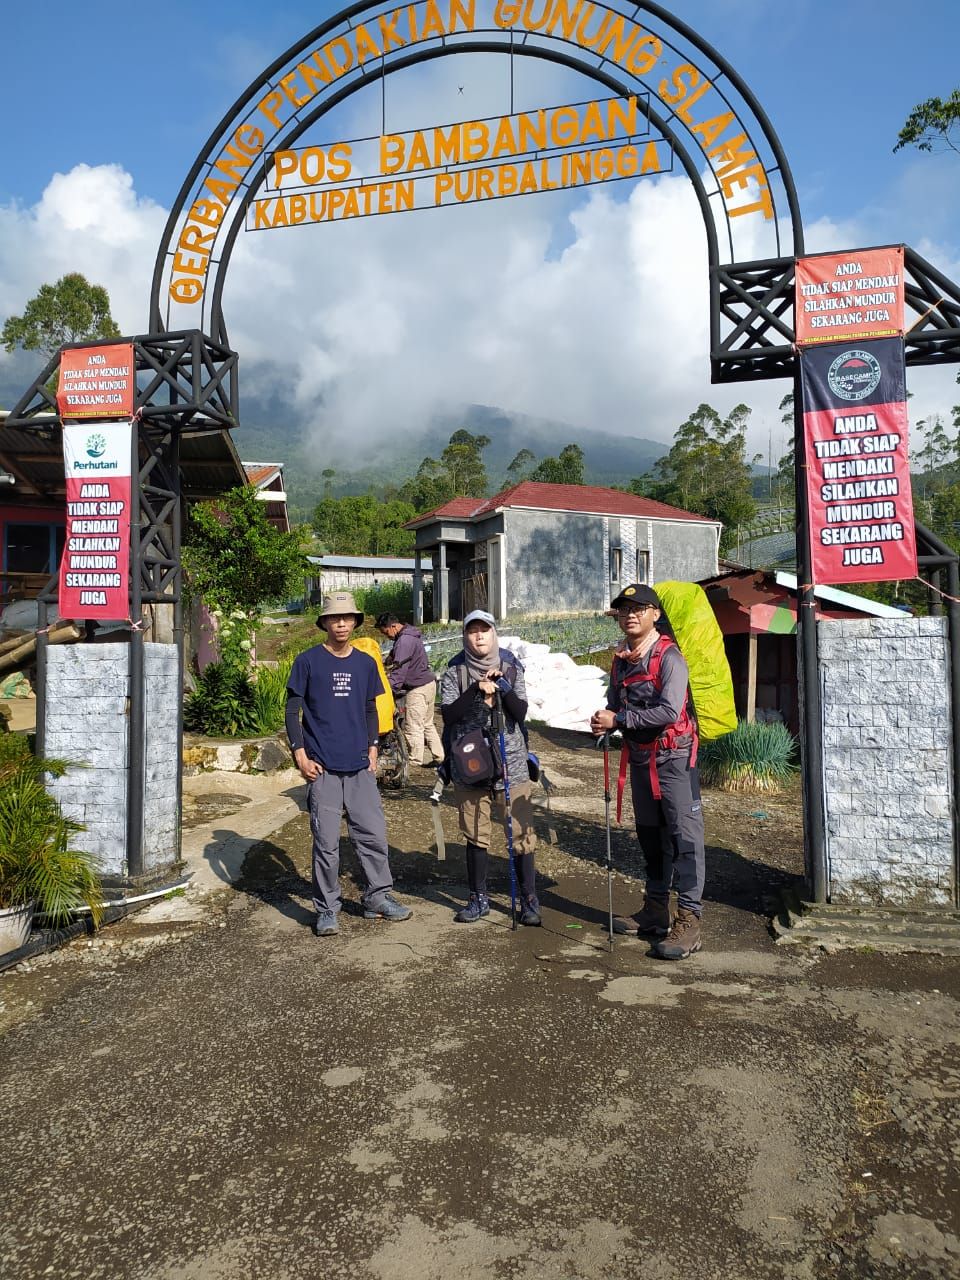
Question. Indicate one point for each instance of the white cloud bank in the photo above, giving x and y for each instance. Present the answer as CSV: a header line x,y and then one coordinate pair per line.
x,y
383,321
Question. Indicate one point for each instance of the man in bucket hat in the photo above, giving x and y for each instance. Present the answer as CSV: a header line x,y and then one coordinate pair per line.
x,y
647,701
332,725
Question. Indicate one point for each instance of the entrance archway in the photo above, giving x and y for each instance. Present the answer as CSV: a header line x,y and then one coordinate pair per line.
x,y
696,103
689,93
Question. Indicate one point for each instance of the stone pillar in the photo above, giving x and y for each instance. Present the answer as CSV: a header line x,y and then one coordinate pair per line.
x,y
887,761
441,588
86,722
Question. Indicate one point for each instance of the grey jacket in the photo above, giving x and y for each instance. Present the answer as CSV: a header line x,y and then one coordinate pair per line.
x,y
477,715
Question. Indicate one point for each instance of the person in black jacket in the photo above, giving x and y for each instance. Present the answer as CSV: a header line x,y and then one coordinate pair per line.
x,y
647,702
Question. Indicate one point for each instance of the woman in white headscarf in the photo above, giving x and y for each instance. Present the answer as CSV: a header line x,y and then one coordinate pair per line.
x,y
471,685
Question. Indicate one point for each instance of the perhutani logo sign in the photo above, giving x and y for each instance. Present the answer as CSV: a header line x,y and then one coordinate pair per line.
x,y
110,464
95,566
854,375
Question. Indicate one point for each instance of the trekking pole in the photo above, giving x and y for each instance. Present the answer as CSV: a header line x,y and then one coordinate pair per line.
x,y
509,813
605,743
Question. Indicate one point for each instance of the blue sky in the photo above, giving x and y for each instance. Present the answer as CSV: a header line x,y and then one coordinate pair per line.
x,y
133,93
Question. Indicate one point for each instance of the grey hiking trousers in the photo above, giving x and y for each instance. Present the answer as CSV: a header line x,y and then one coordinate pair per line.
x,y
670,830
329,796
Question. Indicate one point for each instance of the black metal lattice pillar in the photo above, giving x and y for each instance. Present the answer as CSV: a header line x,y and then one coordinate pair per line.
x,y
185,383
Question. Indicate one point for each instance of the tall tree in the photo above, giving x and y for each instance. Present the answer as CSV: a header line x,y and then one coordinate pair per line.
x,y
786,468
706,470
933,455
566,469
462,460
458,472
933,125
72,310
521,466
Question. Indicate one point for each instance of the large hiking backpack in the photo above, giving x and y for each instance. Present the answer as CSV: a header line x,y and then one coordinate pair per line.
x,y
693,624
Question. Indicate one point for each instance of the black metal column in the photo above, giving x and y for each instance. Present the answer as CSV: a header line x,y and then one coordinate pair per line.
x,y
811,712
136,719
176,521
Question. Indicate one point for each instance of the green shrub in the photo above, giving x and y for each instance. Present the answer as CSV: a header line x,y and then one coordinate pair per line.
x,y
388,597
37,862
222,704
270,696
754,757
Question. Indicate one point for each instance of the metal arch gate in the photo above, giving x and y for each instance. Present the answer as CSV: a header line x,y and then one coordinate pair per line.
x,y
751,302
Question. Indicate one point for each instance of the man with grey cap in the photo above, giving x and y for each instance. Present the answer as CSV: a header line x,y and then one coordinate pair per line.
x,y
474,681
647,701
333,728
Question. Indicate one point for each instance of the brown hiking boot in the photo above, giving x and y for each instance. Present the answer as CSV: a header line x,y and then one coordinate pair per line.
x,y
652,920
682,940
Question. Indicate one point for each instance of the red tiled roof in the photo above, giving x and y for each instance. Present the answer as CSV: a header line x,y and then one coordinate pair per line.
x,y
560,497
260,472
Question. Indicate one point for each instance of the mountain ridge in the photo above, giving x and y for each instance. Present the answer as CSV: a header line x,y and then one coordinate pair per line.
x,y
608,458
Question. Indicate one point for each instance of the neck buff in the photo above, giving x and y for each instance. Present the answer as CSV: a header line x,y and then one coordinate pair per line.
x,y
478,667
643,646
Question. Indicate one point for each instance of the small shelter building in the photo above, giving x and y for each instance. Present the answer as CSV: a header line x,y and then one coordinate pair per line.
x,y
757,613
352,573
554,548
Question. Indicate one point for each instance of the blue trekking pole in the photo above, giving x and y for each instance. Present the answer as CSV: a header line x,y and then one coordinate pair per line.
x,y
509,814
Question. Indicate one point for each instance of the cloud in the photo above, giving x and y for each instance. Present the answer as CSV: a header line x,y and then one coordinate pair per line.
x,y
591,309
89,220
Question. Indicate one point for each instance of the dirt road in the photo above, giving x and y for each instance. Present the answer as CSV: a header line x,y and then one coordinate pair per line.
x,y
225,1096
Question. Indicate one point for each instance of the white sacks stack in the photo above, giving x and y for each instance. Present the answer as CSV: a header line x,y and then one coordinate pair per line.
x,y
559,693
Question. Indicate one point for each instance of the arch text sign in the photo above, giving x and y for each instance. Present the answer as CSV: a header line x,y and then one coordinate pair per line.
x,y
252,173
547,150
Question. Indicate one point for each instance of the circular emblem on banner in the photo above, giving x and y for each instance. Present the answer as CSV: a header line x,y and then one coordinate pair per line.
x,y
96,446
854,375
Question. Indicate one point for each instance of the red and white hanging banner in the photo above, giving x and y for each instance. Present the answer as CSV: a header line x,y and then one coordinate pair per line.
x,y
858,465
96,382
847,297
95,568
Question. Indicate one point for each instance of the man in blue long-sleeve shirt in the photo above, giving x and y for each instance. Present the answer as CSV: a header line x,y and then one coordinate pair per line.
x,y
410,676
333,728
647,702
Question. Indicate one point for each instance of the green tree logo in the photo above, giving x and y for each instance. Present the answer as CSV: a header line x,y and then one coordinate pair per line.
x,y
96,446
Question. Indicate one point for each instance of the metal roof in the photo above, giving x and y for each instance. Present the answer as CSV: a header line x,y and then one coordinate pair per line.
x,y
364,562
209,464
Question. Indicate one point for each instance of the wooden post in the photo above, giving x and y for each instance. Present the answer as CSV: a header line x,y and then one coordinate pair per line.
x,y
751,677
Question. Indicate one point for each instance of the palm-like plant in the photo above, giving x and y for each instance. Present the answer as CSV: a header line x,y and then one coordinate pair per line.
x,y
37,862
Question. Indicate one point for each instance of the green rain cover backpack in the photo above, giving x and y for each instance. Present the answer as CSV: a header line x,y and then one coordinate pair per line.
x,y
697,632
